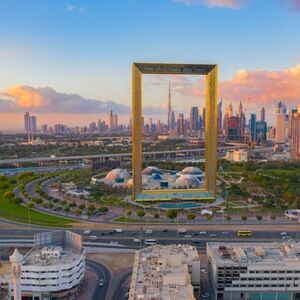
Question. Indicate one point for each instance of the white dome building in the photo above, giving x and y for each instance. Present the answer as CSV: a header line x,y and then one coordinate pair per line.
x,y
189,181
116,174
196,172
151,170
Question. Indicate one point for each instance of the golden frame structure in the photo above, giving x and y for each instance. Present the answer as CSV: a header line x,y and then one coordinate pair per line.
x,y
211,73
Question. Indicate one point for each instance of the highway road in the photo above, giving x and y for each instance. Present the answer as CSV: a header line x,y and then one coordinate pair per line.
x,y
102,273
105,156
193,237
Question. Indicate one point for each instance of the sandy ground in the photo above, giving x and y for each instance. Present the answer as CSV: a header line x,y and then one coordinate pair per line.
x,y
115,262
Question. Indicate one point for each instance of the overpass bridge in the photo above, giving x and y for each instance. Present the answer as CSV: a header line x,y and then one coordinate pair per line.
x,y
169,154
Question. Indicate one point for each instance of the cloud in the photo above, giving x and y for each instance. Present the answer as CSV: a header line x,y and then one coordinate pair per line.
x,y
233,4
263,87
70,7
48,100
292,4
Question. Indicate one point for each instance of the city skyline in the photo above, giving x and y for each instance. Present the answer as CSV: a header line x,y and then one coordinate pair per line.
x,y
90,60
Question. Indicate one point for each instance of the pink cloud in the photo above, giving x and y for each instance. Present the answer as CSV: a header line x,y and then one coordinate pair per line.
x,y
234,4
263,87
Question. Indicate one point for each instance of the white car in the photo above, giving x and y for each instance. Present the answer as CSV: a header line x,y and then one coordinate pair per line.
x,y
283,233
203,232
203,270
149,231
136,240
101,282
205,296
225,232
87,231
187,236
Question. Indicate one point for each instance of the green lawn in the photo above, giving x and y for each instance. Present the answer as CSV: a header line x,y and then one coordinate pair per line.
x,y
19,213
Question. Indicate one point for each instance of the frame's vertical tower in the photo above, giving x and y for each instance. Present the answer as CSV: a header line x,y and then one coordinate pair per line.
x,y
211,130
137,130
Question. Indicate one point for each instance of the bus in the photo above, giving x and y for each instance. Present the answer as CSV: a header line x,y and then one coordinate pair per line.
x,y
244,233
150,242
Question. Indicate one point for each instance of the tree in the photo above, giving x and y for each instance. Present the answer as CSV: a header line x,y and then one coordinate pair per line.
x,y
209,217
273,218
259,218
89,213
190,217
128,212
171,214
103,209
244,218
8,195
82,206
30,205
92,207
141,213
156,215
228,218
67,209
78,211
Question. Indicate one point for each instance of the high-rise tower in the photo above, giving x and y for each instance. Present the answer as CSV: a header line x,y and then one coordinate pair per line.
x,y
169,108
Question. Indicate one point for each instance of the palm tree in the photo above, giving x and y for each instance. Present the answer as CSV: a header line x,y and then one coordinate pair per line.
x,y
244,218
190,217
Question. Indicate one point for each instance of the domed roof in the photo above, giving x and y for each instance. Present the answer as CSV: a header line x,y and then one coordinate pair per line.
x,y
150,170
129,183
156,176
188,181
191,171
16,257
118,173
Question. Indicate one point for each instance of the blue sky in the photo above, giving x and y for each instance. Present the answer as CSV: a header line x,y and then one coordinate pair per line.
x,y
87,47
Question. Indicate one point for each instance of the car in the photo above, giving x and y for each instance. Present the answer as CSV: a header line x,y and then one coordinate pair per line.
x,y
202,232
225,232
136,240
112,232
205,295
149,231
87,231
195,233
212,235
283,233
119,230
93,237
181,230
102,233
203,270
187,236
133,233
165,230
101,282
195,241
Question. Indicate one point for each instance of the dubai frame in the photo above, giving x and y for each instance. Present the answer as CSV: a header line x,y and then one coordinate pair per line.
x,y
211,73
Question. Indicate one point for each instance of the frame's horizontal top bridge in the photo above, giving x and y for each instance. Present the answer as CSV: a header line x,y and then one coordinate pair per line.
x,y
156,68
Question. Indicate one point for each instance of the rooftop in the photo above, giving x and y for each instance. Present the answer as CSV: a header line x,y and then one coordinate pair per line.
x,y
161,272
255,254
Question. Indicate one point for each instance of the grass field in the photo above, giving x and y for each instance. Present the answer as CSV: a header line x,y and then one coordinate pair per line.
x,y
20,213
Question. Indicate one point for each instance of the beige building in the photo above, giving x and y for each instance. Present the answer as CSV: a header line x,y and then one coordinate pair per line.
x,y
295,134
281,123
237,155
169,272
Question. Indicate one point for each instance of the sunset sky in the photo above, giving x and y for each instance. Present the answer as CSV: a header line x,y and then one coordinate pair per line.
x,y
70,61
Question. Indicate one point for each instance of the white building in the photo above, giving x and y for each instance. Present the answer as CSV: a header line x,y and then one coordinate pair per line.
x,y
237,155
165,272
259,271
53,269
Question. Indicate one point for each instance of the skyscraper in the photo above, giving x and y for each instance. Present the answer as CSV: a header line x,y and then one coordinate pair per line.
x,y
32,124
180,124
242,122
295,134
26,122
263,115
220,116
252,126
111,120
281,123
169,109
194,118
